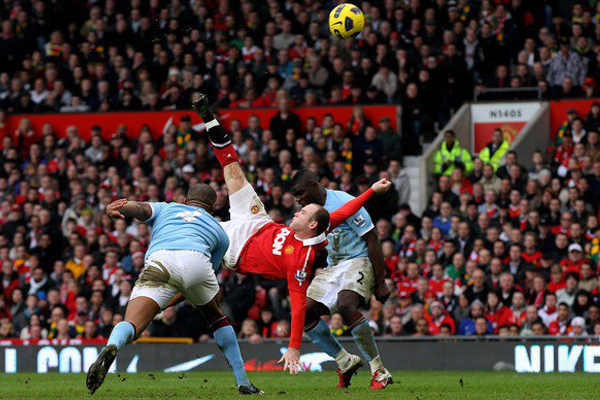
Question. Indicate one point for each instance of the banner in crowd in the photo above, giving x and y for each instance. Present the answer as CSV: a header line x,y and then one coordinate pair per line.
x,y
559,110
483,355
158,121
510,117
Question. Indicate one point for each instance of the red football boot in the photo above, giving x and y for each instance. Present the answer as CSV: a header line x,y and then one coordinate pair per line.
x,y
346,376
380,379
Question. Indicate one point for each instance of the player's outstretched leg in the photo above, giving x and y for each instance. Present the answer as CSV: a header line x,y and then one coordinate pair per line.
x,y
222,146
348,303
225,337
140,312
319,333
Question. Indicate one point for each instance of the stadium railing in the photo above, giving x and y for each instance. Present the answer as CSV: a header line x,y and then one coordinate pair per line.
x,y
522,93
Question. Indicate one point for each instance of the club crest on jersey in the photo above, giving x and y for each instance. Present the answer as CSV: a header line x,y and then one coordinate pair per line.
x,y
254,210
280,240
359,221
300,276
288,250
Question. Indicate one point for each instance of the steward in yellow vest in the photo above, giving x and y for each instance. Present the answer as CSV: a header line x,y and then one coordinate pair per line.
x,y
451,154
495,150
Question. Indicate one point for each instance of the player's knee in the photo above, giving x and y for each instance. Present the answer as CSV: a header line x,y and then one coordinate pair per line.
x,y
312,318
211,311
346,307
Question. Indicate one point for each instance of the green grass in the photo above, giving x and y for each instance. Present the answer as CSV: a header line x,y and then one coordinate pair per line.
x,y
211,385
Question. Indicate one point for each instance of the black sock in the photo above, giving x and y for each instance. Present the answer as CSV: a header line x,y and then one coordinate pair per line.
x,y
217,134
208,117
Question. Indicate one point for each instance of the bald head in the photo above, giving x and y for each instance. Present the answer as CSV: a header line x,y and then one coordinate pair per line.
x,y
202,195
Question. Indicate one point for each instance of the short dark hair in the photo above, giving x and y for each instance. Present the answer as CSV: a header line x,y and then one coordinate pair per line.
x,y
573,275
322,218
303,177
202,193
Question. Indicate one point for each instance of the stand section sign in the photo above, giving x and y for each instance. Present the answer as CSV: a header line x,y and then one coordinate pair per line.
x,y
511,118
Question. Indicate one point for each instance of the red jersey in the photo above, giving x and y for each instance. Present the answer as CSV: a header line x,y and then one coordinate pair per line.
x,y
555,286
437,286
274,252
569,266
408,285
533,259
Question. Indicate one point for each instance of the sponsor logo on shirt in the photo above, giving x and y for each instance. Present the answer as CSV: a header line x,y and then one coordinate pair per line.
x,y
189,216
279,240
359,221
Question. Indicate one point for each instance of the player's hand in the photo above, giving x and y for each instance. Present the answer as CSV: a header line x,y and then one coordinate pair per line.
x,y
291,359
382,293
381,186
113,208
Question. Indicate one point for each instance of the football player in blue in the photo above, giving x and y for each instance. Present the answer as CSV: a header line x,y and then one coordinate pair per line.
x,y
186,247
355,270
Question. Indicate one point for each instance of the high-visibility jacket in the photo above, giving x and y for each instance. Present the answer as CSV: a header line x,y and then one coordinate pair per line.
x,y
493,159
451,156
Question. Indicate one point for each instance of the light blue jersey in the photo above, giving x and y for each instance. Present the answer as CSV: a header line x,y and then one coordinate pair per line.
x,y
177,226
345,242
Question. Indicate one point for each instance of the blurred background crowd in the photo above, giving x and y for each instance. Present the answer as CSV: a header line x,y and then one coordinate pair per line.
x,y
499,250
427,55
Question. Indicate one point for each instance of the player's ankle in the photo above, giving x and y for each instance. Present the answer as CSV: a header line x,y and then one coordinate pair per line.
x,y
376,364
343,359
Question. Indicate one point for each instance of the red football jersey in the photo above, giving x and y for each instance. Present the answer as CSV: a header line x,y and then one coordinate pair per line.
x,y
275,252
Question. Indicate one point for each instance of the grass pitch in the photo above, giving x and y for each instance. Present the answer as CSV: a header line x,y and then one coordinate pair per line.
x,y
220,385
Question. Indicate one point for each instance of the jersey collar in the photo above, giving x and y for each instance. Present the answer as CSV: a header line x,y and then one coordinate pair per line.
x,y
313,240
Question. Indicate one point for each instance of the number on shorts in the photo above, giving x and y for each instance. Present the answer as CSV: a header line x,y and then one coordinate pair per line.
x,y
362,277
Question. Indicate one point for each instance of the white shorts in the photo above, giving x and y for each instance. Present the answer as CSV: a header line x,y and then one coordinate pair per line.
x,y
168,272
355,275
248,215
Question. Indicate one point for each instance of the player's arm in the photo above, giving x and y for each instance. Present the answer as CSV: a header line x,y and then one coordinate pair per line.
x,y
353,206
382,292
292,355
122,208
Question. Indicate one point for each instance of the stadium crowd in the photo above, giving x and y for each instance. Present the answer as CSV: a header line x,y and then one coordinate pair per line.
x,y
76,56
500,249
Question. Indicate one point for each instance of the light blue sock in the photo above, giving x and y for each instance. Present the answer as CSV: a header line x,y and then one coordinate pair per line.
x,y
228,344
122,334
321,336
363,336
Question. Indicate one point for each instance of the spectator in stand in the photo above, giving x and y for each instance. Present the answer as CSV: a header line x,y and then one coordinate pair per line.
x,y
60,256
493,152
578,327
561,325
566,63
450,155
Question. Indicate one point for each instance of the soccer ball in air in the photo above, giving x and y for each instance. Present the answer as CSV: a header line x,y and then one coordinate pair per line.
x,y
346,21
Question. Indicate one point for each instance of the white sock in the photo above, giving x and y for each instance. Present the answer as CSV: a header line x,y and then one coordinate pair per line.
x,y
376,364
343,359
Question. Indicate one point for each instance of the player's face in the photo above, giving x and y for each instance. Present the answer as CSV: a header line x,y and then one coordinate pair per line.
x,y
303,219
306,194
